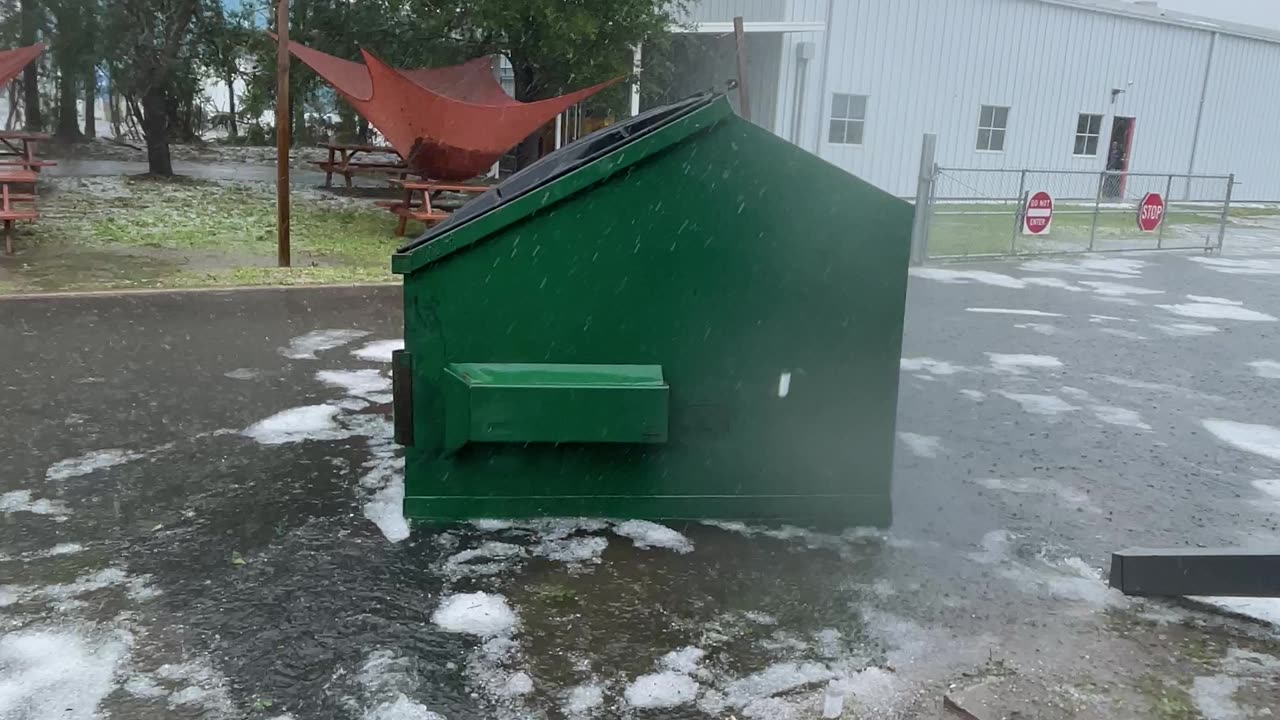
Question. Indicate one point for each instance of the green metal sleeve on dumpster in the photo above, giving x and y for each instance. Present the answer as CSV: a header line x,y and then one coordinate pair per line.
x,y
548,403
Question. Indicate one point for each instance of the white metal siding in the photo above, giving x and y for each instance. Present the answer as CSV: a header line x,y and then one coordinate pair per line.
x,y
791,69
726,10
1241,129
929,65
717,63
764,56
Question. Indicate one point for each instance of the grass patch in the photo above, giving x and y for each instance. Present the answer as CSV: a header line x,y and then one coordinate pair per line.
x,y
1254,212
1168,701
287,276
980,229
111,233
208,216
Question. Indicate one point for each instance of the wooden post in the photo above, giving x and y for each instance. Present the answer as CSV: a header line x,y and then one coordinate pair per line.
x,y
744,97
282,134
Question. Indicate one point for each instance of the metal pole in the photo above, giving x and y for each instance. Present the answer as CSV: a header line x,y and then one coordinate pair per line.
x,y
797,103
1097,205
1017,215
1226,211
820,116
637,55
934,173
282,134
1168,188
1204,92
924,195
559,130
744,96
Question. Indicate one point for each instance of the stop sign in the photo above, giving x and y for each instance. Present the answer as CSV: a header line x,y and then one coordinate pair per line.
x,y
1151,212
1037,217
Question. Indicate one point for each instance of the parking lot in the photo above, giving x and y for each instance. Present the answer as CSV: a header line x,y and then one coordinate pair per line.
x,y
199,517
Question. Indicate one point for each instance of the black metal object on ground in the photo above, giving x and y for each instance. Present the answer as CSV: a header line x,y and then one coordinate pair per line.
x,y
1223,572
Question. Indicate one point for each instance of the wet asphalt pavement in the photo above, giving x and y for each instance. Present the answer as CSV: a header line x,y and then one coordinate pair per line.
x,y
164,553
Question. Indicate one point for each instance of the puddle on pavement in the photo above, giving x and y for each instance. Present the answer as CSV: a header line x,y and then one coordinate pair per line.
x,y
219,577
255,563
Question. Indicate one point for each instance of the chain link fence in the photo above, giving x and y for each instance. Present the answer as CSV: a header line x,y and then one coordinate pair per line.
x,y
973,213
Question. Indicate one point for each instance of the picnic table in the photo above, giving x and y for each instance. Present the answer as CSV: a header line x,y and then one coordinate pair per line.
x,y
342,161
423,211
16,203
21,145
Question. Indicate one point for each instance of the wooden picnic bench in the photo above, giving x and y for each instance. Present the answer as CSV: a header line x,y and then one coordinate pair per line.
x,y
423,211
342,161
21,144
14,204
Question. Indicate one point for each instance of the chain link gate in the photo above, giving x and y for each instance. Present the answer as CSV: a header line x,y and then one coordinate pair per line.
x,y
974,213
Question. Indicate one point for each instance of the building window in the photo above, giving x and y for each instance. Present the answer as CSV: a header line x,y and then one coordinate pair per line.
x,y
1088,130
848,116
992,124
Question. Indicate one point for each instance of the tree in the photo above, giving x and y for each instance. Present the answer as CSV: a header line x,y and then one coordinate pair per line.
x,y
151,43
224,40
555,46
31,19
405,33
91,41
76,58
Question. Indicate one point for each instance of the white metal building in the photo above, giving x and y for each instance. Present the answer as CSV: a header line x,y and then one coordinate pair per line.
x,y
1040,84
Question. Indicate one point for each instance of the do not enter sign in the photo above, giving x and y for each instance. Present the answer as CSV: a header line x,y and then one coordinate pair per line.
x,y
1151,212
1037,216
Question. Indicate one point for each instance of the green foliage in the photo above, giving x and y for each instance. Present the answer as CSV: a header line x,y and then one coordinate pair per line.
x,y
554,45
145,40
171,48
560,45
72,42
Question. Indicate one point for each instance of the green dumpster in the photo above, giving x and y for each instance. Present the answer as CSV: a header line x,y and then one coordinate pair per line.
x,y
678,317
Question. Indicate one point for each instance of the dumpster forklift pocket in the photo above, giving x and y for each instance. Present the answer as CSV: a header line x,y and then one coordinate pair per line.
x,y
402,396
553,403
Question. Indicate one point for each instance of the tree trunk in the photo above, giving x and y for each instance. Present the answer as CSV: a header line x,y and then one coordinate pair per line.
x,y
346,129
91,105
233,129
526,89
31,97
298,114
155,125
113,108
132,116
68,119
13,106
31,74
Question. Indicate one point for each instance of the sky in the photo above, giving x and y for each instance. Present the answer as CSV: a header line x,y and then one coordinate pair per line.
x,y
1265,13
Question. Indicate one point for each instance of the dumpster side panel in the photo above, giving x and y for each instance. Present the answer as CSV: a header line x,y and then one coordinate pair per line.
x,y
768,285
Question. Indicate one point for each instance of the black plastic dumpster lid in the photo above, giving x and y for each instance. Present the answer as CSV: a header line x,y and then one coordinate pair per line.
x,y
563,161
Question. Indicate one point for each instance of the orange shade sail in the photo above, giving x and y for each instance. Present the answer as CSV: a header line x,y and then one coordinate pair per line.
x,y
13,61
449,123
